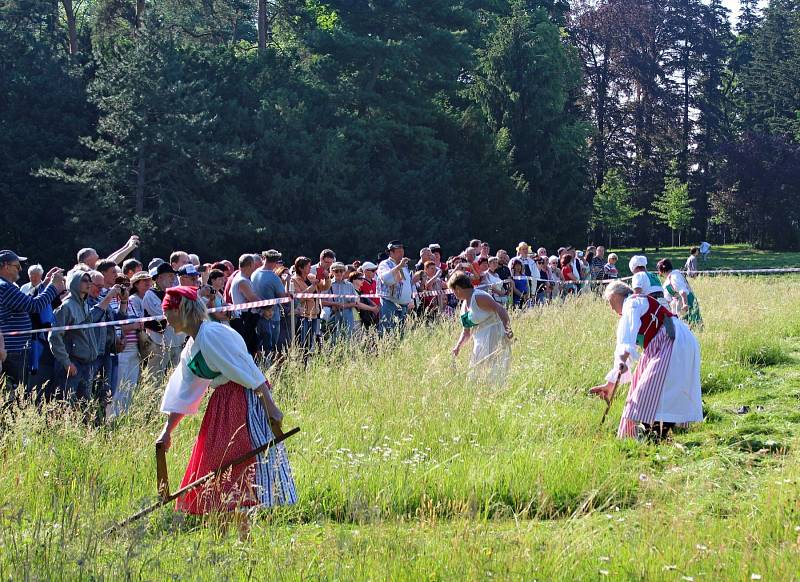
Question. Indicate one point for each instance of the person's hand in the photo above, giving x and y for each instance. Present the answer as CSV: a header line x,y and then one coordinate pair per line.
x,y
456,350
3,355
276,425
133,242
603,390
113,292
72,370
58,281
164,439
509,333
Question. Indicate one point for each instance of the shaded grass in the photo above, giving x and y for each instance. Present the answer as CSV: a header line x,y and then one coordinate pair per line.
x,y
406,470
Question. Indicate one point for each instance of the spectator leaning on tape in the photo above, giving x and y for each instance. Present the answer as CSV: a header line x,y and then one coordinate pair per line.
x,y
395,287
15,310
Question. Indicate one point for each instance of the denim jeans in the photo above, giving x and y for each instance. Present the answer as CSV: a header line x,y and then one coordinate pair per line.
x,y
77,389
307,333
269,333
341,325
392,316
107,370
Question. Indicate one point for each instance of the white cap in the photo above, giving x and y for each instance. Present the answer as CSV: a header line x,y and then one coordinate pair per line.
x,y
369,266
637,261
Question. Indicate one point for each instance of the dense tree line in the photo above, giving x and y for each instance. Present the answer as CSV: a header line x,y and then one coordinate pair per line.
x,y
223,125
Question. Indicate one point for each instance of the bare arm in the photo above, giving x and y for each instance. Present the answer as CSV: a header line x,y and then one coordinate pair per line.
x,y
165,438
489,304
120,255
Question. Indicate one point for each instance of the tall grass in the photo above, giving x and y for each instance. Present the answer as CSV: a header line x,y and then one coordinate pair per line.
x,y
407,470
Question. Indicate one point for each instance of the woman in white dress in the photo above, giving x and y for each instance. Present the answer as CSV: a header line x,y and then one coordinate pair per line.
x,y
682,299
665,387
485,322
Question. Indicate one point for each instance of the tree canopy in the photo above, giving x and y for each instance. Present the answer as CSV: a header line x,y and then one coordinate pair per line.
x,y
225,125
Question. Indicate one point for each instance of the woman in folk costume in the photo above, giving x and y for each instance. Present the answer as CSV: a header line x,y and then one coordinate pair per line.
x,y
680,294
487,323
644,282
239,417
665,387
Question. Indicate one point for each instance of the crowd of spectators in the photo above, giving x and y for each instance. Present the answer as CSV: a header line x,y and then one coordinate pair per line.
x,y
323,302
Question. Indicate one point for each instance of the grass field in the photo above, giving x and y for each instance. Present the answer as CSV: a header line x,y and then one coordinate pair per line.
x,y
721,257
406,471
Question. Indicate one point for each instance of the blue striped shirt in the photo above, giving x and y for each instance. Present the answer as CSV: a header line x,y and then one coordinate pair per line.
x,y
14,309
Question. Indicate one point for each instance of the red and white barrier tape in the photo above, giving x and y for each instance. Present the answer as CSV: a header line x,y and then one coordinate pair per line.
x,y
282,300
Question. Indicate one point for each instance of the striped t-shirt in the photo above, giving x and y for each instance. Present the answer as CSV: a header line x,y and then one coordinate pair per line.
x,y
15,307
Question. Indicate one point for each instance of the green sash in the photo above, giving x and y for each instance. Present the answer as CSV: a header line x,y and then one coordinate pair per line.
x,y
199,367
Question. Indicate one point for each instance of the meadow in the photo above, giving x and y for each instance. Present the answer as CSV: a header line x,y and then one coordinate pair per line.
x,y
406,470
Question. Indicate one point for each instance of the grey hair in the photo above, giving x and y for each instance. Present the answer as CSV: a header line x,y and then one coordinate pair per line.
x,y
35,269
617,288
84,253
194,259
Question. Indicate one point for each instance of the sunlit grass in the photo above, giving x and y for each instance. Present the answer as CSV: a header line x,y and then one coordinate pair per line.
x,y
406,470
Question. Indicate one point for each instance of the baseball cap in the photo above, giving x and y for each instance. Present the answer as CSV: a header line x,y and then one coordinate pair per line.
x,y
188,270
10,256
434,247
161,269
338,266
368,266
395,244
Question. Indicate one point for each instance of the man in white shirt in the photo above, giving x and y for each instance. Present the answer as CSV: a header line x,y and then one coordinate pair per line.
x,y
395,286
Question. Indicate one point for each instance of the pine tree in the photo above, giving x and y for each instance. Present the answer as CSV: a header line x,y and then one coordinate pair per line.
x,y
612,208
674,208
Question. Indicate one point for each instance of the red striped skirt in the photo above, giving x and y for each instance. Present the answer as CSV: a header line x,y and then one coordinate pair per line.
x,y
646,385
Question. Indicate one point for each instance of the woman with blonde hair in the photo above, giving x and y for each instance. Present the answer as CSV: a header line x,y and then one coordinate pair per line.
x,y
241,414
665,387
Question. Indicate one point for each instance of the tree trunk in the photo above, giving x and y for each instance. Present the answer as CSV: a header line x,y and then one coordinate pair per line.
x,y
262,25
139,14
72,29
140,175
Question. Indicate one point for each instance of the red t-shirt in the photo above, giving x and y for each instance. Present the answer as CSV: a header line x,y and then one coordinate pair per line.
x,y
567,272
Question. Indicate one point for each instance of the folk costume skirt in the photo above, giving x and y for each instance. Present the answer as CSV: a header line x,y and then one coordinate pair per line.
x,y
666,383
235,422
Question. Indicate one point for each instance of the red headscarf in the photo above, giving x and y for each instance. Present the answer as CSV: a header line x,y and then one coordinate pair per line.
x,y
174,296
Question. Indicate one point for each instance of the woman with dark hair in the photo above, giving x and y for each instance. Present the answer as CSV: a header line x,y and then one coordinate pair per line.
x,y
521,287
485,322
240,415
368,310
213,293
681,297
307,310
570,281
